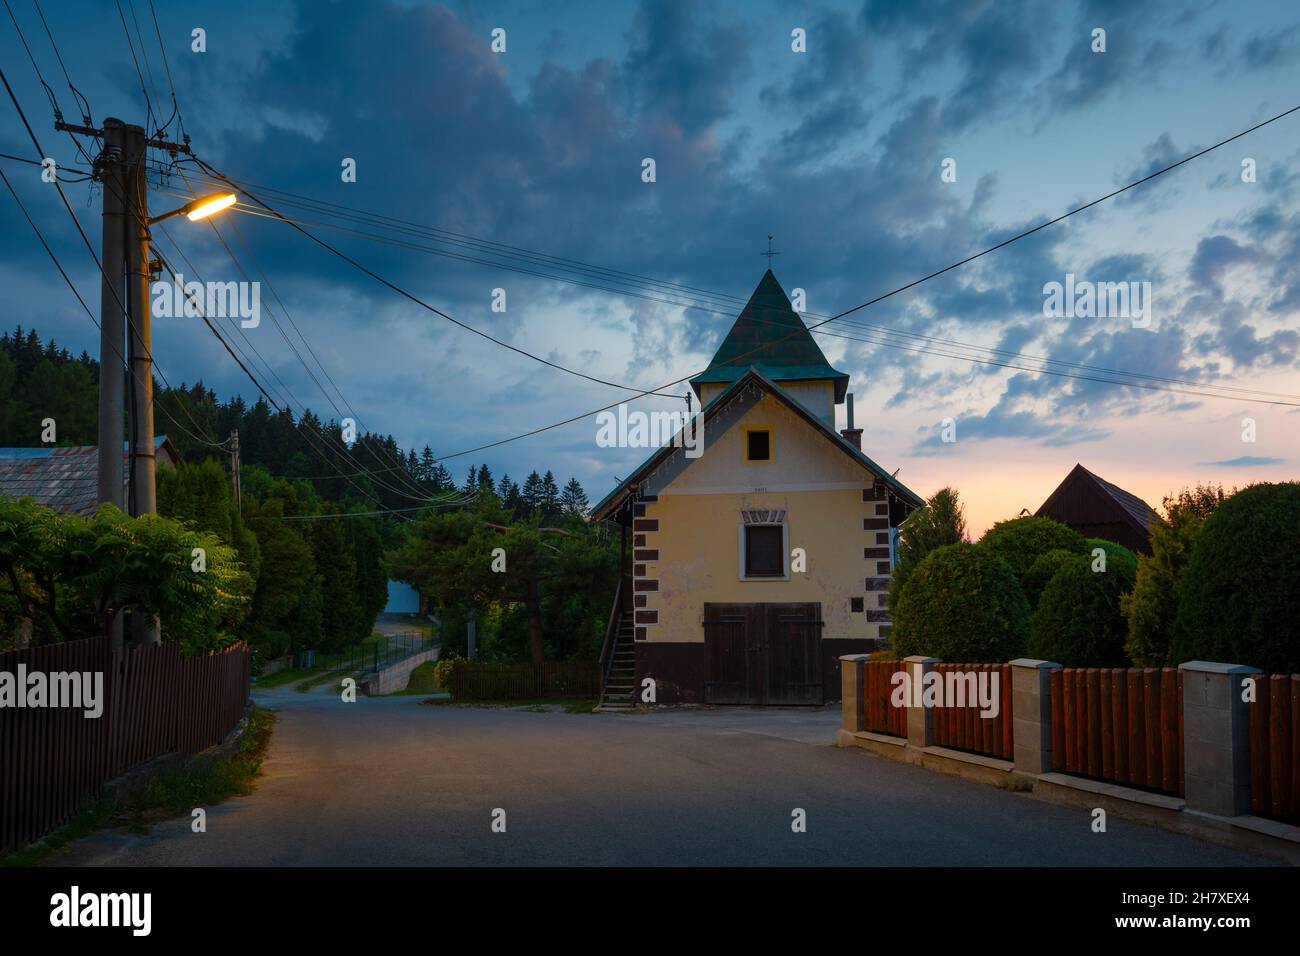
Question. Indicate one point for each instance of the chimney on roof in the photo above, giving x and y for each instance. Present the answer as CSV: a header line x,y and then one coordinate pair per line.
x,y
854,435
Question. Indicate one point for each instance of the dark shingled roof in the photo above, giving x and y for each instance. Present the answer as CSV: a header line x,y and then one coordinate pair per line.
x,y
1138,510
64,478
1065,506
769,336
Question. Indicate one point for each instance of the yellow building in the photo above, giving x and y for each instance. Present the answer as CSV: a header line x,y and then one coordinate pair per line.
x,y
758,560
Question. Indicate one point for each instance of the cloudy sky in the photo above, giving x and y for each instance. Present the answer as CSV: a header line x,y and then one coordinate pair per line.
x,y
838,151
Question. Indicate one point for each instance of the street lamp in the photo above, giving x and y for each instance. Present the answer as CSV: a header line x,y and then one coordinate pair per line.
x,y
199,208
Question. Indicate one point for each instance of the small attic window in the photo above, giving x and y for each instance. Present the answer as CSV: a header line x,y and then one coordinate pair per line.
x,y
758,444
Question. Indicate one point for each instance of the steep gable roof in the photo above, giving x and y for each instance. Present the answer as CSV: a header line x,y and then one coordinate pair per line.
x,y
1120,505
607,505
769,335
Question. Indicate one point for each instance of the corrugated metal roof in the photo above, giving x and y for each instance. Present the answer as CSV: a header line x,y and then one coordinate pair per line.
x,y
63,478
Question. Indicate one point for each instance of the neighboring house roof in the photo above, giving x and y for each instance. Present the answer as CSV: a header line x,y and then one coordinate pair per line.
x,y
1071,504
769,335
64,478
629,485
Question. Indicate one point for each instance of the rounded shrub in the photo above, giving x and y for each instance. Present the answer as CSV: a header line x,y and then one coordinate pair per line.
x,y
1040,572
1115,553
1239,598
1022,541
1078,621
963,604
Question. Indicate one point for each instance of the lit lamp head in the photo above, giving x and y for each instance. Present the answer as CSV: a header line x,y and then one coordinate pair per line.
x,y
202,208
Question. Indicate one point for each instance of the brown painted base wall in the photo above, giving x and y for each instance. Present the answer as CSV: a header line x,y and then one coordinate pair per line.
x,y
679,668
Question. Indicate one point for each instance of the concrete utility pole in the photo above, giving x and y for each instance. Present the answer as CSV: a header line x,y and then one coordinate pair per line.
x,y
145,629
143,491
234,470
112,321
112,333
121,167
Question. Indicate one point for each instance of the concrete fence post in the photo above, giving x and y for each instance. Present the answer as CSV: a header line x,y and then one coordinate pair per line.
x,y
1216,737
1031,714
920,720
852,717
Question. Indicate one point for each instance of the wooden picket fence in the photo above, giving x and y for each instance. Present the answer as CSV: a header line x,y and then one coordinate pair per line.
x,y
475,681
1275,747
1124,725
878,714
55,760
962,728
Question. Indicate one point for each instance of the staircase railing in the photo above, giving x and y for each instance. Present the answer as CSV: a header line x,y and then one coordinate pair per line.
x,y
611,636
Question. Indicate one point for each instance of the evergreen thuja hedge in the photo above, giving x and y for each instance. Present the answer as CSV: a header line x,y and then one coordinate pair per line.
x,y
962,603
1239,599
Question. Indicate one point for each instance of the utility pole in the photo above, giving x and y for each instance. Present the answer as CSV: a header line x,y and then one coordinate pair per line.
x,y
234,470
143,490
121,167
112,323
112,332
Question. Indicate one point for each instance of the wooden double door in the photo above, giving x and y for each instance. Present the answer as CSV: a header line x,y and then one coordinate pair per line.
x,y
763,654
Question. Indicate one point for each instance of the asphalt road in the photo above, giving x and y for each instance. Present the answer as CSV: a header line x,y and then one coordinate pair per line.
x,y
388,781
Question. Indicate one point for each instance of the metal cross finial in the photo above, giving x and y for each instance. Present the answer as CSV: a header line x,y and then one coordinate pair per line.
x,y
769,252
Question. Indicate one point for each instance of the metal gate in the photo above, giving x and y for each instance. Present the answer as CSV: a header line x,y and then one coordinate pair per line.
x,y
763,654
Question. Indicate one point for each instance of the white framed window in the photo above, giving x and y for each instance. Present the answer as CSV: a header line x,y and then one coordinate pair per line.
x,y
764,546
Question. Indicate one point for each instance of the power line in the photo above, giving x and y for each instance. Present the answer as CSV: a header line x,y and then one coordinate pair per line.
x,y
244,368
401,474
58,265
94,257
903,288
728,311
171,86
151,114
425,305
291,399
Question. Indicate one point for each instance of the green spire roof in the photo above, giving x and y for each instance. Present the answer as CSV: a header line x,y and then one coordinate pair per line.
x,y
770,337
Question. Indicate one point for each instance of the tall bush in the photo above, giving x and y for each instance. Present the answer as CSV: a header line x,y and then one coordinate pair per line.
x,y
940,522
1239,601
962,604
1078,621
1151,608
1021,541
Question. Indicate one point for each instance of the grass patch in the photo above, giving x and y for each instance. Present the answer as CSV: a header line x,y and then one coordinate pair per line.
x,y
575,705
281,677
422,681
175,792
322,677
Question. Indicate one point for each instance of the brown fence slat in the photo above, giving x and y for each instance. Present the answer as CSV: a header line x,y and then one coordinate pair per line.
x,y
53,760
1279,749
1119,722
1122,724
1170,730
1106,716
1295,747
